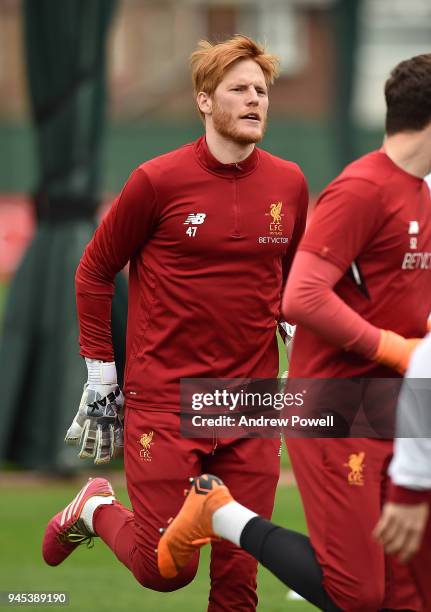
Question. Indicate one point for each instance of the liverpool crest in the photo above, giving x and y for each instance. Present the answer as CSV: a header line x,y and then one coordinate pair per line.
x,y
146,440
275,226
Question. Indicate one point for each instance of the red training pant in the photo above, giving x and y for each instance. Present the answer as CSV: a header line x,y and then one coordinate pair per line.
x,y
157,475
342,484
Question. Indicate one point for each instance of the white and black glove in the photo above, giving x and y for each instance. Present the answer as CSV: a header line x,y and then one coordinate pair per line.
x,y
98,425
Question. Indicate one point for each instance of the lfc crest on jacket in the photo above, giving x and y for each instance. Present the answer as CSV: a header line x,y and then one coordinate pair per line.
x,y
275,225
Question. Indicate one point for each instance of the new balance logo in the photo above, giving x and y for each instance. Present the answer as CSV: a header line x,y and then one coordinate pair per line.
x,y
414,227
195,219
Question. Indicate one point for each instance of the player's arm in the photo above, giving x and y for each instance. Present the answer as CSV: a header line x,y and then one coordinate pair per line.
x,y
286,328
405,515
120,236
97,426
337,233
298,230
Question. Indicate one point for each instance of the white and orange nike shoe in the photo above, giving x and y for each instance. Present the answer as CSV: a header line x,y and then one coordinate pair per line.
x,y
192,527
69,528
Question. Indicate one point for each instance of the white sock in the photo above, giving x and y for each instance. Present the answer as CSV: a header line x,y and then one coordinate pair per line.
x,y
229,521
91,505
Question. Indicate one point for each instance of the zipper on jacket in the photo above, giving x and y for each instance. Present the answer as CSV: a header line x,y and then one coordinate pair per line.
x,y
236,208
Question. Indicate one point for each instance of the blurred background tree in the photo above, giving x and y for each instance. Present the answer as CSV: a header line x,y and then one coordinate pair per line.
x,y
65,58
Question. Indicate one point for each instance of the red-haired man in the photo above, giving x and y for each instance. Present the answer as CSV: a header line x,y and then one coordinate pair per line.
x,y
204,301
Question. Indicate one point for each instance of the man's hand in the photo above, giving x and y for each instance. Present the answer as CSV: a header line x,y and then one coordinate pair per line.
x,y
98,425
401,528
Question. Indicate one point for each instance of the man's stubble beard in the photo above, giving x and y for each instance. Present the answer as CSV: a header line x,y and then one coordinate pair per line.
x,y
225,126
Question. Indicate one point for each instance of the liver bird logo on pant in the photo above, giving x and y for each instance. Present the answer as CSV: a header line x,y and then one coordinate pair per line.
x,y
356,465
146,440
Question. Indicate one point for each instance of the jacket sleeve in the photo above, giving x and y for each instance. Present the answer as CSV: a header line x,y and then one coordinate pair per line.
x,y
298,232
121,236
310,300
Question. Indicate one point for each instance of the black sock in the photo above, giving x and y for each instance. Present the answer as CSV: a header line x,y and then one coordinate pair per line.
x,y
289,556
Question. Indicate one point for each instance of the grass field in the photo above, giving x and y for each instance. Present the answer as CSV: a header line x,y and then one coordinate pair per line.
x,y
94,579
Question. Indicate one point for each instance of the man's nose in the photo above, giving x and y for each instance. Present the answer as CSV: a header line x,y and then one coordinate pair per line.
x,y
253,98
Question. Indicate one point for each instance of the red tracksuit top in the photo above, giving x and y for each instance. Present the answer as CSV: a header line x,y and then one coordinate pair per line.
x,y
210,246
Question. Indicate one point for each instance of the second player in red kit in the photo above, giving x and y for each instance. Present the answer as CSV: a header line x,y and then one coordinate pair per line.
x,y
360,290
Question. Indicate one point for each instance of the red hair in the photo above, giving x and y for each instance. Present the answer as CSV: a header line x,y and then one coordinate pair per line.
x,y
209,63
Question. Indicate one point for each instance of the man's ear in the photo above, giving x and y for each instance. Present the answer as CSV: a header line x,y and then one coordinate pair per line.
x,y
204,103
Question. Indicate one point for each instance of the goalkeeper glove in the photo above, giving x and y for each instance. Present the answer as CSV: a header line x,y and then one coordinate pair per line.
x,y
98,425
394,350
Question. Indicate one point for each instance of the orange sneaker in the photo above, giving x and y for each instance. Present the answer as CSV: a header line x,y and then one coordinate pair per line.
x,y
192,527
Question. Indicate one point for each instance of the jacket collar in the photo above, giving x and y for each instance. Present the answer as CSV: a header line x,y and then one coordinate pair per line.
x,y
210,163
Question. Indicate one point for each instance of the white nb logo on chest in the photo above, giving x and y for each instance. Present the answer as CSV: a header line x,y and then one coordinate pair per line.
x,y
195,219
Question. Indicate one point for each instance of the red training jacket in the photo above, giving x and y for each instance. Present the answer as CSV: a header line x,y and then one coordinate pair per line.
x,y
209,246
